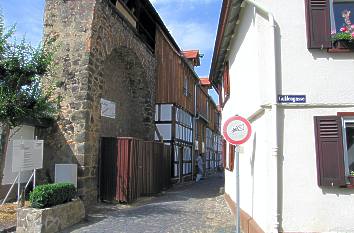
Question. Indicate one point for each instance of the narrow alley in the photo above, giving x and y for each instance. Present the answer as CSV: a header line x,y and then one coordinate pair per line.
x,y
193,207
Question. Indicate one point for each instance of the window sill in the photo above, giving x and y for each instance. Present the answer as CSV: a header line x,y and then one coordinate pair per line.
x,y
340,50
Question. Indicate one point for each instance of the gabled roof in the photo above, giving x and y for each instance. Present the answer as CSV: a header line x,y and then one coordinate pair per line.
x,y
204,81
192,55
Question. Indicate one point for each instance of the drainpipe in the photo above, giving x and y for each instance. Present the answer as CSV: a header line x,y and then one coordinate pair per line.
x,y
275,208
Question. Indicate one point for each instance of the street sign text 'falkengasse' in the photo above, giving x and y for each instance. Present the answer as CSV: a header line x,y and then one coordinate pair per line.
x,y
237,130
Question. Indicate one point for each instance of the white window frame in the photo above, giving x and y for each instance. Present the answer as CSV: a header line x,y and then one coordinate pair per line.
x,y
332,19
345,146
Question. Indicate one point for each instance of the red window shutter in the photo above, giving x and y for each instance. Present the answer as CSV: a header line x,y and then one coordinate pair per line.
x,y
224,153
226,79
318,24
231,157
220,94
329,150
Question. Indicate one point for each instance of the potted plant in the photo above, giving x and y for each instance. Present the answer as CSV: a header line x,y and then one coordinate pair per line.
x,y
345,38
351,177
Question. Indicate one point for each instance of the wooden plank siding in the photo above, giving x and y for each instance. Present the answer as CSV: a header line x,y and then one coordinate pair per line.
x,y
213,116
201,127
172,69
202,99
144,168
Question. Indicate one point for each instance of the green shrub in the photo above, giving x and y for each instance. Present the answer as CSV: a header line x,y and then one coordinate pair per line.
x,y
48,195
342,36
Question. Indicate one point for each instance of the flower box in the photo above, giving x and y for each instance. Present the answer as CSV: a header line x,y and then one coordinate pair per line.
x,y
51,219
343,44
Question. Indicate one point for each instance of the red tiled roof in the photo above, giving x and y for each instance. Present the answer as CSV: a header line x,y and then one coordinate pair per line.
x,y
204,81
191,54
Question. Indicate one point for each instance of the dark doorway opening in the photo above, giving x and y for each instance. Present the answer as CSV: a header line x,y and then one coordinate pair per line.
x,y
108,169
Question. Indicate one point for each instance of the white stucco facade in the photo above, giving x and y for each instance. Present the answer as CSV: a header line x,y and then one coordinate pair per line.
x,y
326,80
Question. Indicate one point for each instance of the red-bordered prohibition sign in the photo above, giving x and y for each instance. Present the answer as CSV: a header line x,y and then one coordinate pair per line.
x,y
237,130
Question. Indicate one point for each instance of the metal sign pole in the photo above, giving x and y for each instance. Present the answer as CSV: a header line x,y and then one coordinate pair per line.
x,y
18,186
34,178
237,130
238,227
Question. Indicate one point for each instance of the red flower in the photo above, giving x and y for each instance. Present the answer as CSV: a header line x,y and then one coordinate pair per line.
x,y
343,29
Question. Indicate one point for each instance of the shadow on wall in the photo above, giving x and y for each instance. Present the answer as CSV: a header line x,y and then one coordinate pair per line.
x,y
252,168
323,53
247,22
57,150
337,191
125,83
280,124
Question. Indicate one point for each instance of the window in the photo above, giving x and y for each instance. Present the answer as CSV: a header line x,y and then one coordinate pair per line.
x,y
348,144
185,87
207,109
337,8
334,149
324,18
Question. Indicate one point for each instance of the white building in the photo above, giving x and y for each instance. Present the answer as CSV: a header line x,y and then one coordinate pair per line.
x,y
294,169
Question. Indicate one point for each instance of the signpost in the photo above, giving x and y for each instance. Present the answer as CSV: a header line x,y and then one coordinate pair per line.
x,y
27,155
237,130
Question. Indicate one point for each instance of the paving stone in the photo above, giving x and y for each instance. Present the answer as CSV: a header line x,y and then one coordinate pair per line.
x,y
192,207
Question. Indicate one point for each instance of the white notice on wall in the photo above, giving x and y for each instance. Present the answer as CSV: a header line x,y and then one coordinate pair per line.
x,y
66,173
108,109
27,155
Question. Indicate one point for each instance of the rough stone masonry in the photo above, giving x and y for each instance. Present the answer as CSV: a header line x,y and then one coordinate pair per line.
x,y
99,55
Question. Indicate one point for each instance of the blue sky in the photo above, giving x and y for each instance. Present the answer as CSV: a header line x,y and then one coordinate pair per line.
x,y
193,23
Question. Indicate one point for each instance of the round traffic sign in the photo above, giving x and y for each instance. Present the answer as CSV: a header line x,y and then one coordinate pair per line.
x,y
237,130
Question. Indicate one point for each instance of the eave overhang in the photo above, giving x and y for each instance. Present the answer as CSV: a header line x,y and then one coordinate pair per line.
x,y
228,20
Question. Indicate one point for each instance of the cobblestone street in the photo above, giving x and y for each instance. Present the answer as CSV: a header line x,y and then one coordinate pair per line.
x,y
193,207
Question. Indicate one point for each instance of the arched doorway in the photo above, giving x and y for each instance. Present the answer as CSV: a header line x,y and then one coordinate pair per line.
x,y
125,84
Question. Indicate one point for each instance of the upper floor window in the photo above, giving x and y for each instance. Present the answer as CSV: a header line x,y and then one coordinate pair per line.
x,y
327,18
207,109
185,86
334,137
341,12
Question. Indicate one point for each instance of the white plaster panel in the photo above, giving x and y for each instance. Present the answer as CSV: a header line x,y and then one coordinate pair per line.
x,y
316,208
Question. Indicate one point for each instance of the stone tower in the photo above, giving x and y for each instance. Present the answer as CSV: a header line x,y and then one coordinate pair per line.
x,y
99,56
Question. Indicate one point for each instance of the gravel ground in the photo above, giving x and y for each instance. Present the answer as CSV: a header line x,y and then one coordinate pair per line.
x,y
192,207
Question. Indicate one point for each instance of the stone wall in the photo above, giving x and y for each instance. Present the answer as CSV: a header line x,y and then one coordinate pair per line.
x,y
99,56
128,70
50,220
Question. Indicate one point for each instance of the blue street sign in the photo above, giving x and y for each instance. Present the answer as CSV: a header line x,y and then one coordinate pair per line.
x,y
291,98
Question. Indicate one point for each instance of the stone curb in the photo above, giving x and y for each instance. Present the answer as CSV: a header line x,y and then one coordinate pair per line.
x,y
8,229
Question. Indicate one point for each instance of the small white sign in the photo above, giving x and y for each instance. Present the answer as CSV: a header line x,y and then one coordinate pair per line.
x,y
66,173
27,155
108,109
